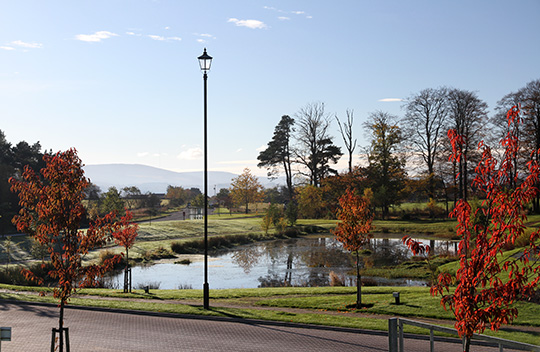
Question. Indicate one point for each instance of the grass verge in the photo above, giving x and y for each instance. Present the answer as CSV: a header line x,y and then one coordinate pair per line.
x,y
318,305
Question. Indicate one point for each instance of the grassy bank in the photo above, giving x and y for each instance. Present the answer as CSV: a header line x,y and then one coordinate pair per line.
x,y
162,233
320,305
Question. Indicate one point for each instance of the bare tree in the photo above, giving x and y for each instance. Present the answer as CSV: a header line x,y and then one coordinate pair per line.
x,y
501,128
315,147
529,98
346,130
531,111
468,116
423,126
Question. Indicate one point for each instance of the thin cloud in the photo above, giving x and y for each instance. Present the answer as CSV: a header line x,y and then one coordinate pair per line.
x,y
387,100
191,154
7,48
253,24
163,39
96,37
284,18
27,45
156,37
142,154
203,37
261,148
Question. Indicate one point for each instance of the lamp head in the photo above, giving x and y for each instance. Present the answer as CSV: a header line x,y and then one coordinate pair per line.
x,y
205,61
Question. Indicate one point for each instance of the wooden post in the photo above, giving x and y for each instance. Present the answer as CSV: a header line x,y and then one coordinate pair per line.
x,y
61,333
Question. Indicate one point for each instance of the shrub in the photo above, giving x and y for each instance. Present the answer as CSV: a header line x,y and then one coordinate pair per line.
x,y
109,254
291,213
266,222
281,225
183,262
434,210
14,276
336,279
158,253
154,285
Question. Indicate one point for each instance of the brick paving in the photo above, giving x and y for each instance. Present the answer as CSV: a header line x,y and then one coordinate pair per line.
x,y
95,330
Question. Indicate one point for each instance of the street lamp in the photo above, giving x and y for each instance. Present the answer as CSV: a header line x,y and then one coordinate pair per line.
x,y
205,61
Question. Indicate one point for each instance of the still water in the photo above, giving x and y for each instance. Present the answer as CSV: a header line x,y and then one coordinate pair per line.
x,y
296,262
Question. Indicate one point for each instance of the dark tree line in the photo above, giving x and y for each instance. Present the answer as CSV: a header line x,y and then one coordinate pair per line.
x,y
13,159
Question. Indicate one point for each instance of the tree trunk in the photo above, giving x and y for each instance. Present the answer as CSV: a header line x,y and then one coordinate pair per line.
x,y
358,283
61,326
467,344
127,283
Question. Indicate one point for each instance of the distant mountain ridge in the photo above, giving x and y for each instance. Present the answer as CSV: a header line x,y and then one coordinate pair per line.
x,y
153,179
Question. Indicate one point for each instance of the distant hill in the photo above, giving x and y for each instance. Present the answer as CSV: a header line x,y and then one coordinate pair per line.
x,y
153,179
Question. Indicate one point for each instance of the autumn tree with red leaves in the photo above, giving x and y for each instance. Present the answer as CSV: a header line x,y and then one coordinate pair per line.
x,y
51,212
353,229
125,237
488,283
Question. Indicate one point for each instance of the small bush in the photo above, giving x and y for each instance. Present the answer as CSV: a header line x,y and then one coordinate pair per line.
x,y
14,276
434,210
281,225
154,285
158,253
311,229
523,240
265,223
336,279
183,262
292,232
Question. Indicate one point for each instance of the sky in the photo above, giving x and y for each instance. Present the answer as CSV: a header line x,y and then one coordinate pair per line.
x,y
119,80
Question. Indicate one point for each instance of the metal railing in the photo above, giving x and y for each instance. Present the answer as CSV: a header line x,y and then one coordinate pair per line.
x,y
396,344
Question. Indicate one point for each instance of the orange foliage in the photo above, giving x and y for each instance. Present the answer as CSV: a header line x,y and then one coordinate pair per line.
x,y
126,233
483,298
52,211
353,230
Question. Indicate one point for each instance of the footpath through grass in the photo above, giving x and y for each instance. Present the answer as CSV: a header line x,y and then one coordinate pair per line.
x,y
321,305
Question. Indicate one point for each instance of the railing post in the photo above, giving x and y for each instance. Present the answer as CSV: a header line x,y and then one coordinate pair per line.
x,y
431,340
401,342
392,335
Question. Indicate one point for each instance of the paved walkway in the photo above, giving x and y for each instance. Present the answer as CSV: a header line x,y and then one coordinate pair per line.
x,y
93,330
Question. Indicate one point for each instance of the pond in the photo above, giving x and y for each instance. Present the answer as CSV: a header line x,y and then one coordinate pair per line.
x,y
304,261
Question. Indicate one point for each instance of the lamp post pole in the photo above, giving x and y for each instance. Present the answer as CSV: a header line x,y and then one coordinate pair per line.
x,y
205,61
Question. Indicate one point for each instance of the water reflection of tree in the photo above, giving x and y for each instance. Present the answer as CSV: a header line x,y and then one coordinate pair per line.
x,y
385,252
277,253
246,258
318,256
325,253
